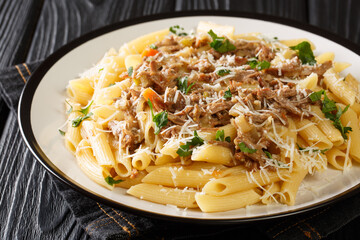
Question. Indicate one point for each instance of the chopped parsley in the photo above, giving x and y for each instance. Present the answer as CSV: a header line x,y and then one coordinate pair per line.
x,y
255,64
85,110
314,150
316,96
305,53
331,111
223,72
227,94
160,119
337,123
220,44
153,46
101,69
183,85
76,122
111,84
186,150
130,71
109,180
177,30
328,106
220,136
61,132
268,154
245,149
70,109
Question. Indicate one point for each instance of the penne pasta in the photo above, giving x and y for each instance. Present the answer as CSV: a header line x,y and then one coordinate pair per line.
x,y
164,195
212,120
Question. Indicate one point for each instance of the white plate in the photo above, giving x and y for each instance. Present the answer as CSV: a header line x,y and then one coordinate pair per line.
x,y
41,113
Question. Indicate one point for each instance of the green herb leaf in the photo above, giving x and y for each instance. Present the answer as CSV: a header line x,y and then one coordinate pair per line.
x,y
220,44
153,46
186,150
328,108
160,119
85,110
130,71
227,94
324,150
111,84
183,85
76,122
177,30
328,105
196,141
70,109
252,63
61,132
263,65
111,181
337,123
223,72
245,149
151,107
101,69
220,135
255,64
305,53
268,154
316,96
300,148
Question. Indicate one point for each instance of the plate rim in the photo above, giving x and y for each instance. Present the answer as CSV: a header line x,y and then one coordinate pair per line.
x,y
25,103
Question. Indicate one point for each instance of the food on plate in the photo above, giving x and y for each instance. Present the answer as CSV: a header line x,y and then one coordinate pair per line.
x,y
211,119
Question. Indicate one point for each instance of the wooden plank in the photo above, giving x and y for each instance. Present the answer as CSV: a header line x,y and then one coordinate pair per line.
x,y
62,21
296,10
27,189
17,23
18,20
338,16
30,206
33,208
4,112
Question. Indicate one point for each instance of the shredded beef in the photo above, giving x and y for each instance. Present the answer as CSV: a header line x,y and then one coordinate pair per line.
x,y
179,120
127,132
218,106
285,100
170,103
296,69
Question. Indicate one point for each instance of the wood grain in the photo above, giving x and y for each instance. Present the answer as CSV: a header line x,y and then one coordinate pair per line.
x,y
337,16
18,20
282,8
30,30
62,21
30,206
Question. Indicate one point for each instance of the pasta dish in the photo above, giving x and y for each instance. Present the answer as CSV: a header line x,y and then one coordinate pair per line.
x,y
212,120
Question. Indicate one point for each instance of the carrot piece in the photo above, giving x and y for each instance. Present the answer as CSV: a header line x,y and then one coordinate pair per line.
x,y
149,52
150,94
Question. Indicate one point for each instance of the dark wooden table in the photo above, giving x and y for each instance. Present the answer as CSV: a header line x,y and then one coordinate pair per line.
x,y
30,30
